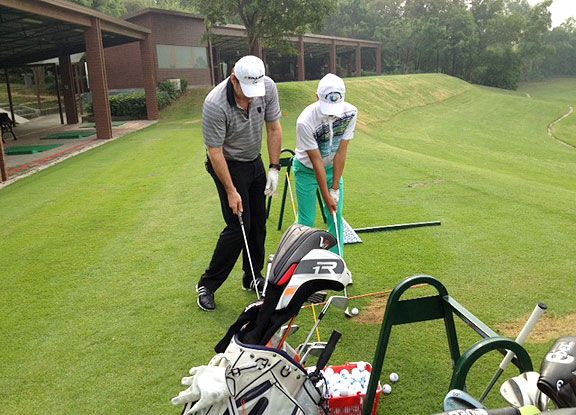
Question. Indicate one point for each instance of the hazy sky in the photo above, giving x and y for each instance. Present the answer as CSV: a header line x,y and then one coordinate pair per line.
x,y
560,9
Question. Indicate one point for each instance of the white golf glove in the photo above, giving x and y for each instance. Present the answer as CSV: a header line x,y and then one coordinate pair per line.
x,y
335,193
207,385
271,182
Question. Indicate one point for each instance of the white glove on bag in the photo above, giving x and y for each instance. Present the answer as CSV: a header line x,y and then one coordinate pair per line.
x,y
206,383
271,182
335,193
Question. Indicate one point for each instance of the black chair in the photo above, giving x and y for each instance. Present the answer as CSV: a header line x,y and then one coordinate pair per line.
x,y
6,125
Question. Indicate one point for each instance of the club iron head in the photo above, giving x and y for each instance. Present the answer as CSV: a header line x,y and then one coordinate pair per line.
x,y
457,399
339,301
315,349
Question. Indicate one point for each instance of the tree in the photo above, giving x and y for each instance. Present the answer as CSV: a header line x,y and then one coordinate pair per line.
x,y
114,8
268,21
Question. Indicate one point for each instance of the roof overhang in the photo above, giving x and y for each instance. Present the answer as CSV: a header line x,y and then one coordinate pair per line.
x,y
34,30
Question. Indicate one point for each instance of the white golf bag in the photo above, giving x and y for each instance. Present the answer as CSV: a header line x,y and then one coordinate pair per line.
x,y
262,381
253,378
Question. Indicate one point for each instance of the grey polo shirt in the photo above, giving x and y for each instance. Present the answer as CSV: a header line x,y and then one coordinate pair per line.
x,y
238,132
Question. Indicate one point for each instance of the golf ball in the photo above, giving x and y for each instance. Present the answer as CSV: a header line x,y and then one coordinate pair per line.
x,y
387,389
354,311
394,377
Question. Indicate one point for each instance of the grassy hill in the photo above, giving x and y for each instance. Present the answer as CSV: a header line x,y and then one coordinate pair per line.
x,y
100,254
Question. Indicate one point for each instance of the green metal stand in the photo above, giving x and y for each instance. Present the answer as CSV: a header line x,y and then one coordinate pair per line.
x,y
440,306
286,162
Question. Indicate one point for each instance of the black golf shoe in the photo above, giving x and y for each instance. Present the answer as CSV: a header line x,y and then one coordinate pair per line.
x,y
205,299
248,283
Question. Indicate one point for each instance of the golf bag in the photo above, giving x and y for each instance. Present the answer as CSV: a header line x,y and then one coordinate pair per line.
x,y
261,380
558,373
301,267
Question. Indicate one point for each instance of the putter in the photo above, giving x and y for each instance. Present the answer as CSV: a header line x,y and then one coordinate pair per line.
x,y
347,311
457,399
538,311
248,254
339,302
523,390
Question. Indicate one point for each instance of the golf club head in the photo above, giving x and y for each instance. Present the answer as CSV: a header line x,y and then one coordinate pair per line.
x,y
315,349
523,390
457,399
339,301
293,329
317,297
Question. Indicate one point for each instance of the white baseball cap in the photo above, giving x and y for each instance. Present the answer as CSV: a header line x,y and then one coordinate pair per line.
x,y
331,92
250,72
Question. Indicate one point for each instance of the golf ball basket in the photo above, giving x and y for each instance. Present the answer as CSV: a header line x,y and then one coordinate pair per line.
x,y
435,307
351,405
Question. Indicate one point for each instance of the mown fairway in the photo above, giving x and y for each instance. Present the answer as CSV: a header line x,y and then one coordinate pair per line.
x,y
100,254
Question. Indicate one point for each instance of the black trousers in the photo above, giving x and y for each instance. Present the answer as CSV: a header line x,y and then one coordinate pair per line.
x,y
249,178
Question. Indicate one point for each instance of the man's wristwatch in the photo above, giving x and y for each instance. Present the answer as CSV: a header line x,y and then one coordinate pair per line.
x,y
275,166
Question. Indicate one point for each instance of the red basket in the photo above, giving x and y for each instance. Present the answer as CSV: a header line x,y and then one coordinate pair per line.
x,y
352,405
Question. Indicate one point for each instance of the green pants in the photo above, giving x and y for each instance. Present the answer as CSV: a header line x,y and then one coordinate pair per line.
x,y
306,187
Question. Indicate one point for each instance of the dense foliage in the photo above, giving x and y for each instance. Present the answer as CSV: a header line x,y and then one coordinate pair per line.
x,y
492,42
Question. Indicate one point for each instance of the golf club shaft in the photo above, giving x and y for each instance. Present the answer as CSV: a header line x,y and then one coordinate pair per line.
x,y
287,332
248,254
334,219
320,317
291,197
315,320
538,311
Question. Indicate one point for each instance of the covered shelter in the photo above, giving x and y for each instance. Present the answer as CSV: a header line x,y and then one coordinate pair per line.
x,y
316,55
35,30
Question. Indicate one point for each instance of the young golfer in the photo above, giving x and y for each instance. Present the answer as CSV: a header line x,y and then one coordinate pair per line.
x,y
323,131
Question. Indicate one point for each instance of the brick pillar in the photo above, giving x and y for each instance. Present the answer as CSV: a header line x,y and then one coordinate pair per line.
x,y
97,80
332,65
358,56
67,76
379,60
301,67
149,73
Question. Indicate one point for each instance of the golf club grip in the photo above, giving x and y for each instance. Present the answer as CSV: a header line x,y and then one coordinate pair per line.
x,y
327,353
538,312
240,219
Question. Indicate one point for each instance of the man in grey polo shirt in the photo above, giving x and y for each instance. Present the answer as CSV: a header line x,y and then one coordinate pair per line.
x,y
232,119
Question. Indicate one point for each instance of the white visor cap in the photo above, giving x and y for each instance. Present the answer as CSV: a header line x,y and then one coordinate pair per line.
x,y
331,93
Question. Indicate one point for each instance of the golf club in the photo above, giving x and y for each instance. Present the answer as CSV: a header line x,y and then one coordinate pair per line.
x,y
339,302
538,311
523,390
315,349
457,399
248,254
347,311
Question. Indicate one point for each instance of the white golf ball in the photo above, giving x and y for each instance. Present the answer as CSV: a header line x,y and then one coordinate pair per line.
x,y
387,389
354,311
394,377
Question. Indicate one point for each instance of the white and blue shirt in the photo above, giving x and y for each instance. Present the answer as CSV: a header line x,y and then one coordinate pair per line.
x,y
315,130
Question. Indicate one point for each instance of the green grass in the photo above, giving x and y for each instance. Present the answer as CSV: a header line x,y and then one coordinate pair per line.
x,y
557,90
100,253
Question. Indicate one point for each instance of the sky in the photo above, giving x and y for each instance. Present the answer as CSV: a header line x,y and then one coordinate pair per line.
x,y
560,9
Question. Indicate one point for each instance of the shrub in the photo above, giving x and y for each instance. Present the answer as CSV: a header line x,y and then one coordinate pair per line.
x,y
169,88
133,104
183,85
